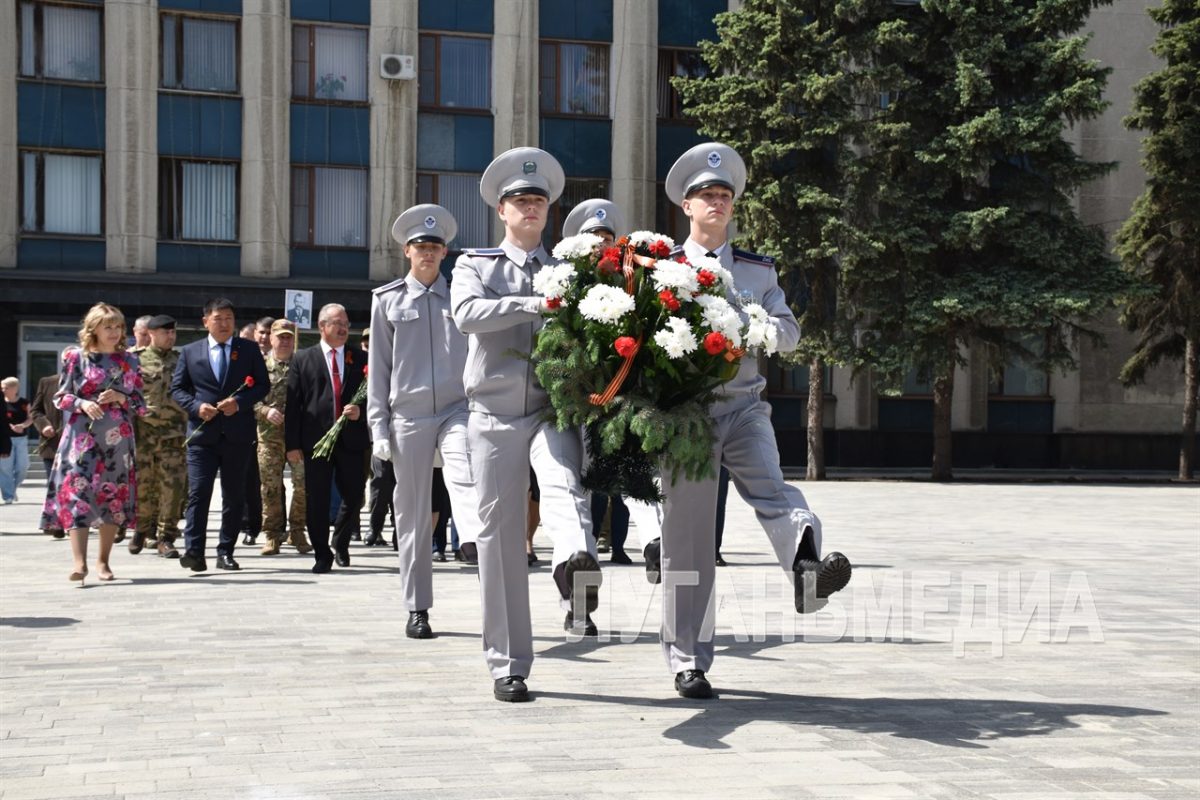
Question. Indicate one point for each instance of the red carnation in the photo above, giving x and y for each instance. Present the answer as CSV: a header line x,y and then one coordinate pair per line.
x,y
249,382
364,370
669,300
714,343
706,278
625,346
609,265
124,366
681,258
611,254
553,303
659,249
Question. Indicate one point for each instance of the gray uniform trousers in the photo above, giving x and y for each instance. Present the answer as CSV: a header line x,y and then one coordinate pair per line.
x,y
746,447
414,445
502,450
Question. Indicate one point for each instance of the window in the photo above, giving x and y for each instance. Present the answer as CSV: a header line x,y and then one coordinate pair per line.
x,y
1021,378
61,193
455,71
669,219
197,200
61,42
329,64
784,378
573,79
199,54
575,191
676,64
459,194
329,207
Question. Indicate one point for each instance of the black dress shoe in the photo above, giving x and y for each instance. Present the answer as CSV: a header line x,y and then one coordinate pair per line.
x,y
721,561
653,554
580,628
583,565
250,538
619,557
137,543
816,580
531,558
374,540
322,566
356,536
342,559
418,626
439,557
227,562
692,683
192,562
58,533
511,689
120,537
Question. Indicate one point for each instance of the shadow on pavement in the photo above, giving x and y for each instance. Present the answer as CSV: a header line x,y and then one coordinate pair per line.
x,y
38,622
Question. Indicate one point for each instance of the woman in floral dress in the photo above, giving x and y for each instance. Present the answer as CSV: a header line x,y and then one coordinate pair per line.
x,y
93,478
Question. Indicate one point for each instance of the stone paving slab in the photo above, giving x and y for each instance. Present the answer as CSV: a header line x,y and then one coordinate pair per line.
x,y
997,641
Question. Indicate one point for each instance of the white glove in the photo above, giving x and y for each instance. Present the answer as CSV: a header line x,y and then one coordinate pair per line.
x,y
382,449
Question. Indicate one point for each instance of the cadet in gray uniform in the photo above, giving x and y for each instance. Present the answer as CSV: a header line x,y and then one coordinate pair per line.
x,y
704,181
494,304
416,405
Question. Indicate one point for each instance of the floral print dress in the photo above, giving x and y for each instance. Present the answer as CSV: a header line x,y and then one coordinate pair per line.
x,y
93,481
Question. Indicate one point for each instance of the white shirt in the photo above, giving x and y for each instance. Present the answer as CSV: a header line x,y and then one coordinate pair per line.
x,y
214,355
341,362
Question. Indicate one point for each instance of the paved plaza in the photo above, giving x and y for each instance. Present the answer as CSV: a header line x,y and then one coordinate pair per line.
x,y
998,640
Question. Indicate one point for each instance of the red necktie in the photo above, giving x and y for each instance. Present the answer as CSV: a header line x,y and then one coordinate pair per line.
x,y
337,385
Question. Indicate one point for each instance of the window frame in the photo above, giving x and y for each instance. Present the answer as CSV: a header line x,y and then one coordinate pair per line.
x,y
180,55
675,113
435,197
40,184
39,64
995,385
776,368
436,106
175,164
311,204
311,53
608,89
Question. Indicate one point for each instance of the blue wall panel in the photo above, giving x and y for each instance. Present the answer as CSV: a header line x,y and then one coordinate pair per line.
x,y
683,23
576,19
582,146
207,6
472,143
672,142
56,115
60,255
199,259
356,12
453,142
330,135
470,16
322,263
209,127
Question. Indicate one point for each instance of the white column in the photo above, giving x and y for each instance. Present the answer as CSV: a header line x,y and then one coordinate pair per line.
x,y
10,224
634,67
393,134
515,74
265,204
131,135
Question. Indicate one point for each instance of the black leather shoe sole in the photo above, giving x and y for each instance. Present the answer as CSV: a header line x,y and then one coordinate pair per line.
x,y
653,554
420,631
342,559
321,567
584,566
511,691
194,563
695,688
228,563
817,580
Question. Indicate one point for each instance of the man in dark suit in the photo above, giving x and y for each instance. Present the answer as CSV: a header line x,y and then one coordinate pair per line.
x,y
217,382
321,384
47,419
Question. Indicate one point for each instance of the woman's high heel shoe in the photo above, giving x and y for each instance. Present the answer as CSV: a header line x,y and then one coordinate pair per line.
x,y
78,576
105,574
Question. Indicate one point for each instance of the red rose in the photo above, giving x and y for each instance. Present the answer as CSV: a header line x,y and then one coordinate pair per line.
x,y
681,258
659,249
714,343
609,265
668,299
124,366
611,254
706,278
553,303
249,382
625,346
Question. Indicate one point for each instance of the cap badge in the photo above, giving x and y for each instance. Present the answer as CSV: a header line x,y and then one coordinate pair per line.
x,y
430,222
714,159
529,167
601,213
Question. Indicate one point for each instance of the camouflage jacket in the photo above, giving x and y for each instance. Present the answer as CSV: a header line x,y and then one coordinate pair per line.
x,y
164,417
276,398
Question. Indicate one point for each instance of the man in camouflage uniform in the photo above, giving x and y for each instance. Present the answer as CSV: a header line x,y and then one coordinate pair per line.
x,y
161,459
271,460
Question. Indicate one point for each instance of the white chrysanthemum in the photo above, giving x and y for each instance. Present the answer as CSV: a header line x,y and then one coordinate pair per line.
x,y
553,280
721,317
679,278
677,338
605,303
580,246
647,238
713,265
762,332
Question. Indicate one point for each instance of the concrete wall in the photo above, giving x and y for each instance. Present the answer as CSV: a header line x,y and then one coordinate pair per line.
x,y
634,68
10,223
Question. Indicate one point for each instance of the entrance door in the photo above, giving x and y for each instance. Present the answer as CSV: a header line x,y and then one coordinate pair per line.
x,y
42,344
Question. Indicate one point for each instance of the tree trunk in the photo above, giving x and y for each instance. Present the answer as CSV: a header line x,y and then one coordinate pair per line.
x,y
1191,372
815,471
943,393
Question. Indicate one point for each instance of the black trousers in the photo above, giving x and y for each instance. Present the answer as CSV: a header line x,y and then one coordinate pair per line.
x,y
380,497
230,459
722,496
253,517
344,468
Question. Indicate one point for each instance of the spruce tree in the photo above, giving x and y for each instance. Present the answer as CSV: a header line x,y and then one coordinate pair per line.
x,y
1160,242
969,185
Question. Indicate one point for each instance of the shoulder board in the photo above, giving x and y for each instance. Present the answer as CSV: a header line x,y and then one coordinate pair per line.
x,y
387,287
753,258
483,251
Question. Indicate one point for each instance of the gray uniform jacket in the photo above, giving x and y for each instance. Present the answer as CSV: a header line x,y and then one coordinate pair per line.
x,y
493,301
417,354
755,281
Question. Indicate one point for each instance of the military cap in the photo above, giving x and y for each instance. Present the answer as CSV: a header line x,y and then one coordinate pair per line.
x,y
705,165
160,322
522,170
592,215
427,222
283,327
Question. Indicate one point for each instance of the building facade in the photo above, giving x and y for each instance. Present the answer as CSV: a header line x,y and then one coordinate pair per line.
x,y
166,152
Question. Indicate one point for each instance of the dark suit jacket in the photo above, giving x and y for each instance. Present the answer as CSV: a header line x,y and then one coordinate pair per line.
x,y
45,413
309,412
5,437
194,383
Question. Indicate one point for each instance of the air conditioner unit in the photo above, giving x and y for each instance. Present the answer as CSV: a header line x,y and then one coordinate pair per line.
x,y
395,67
